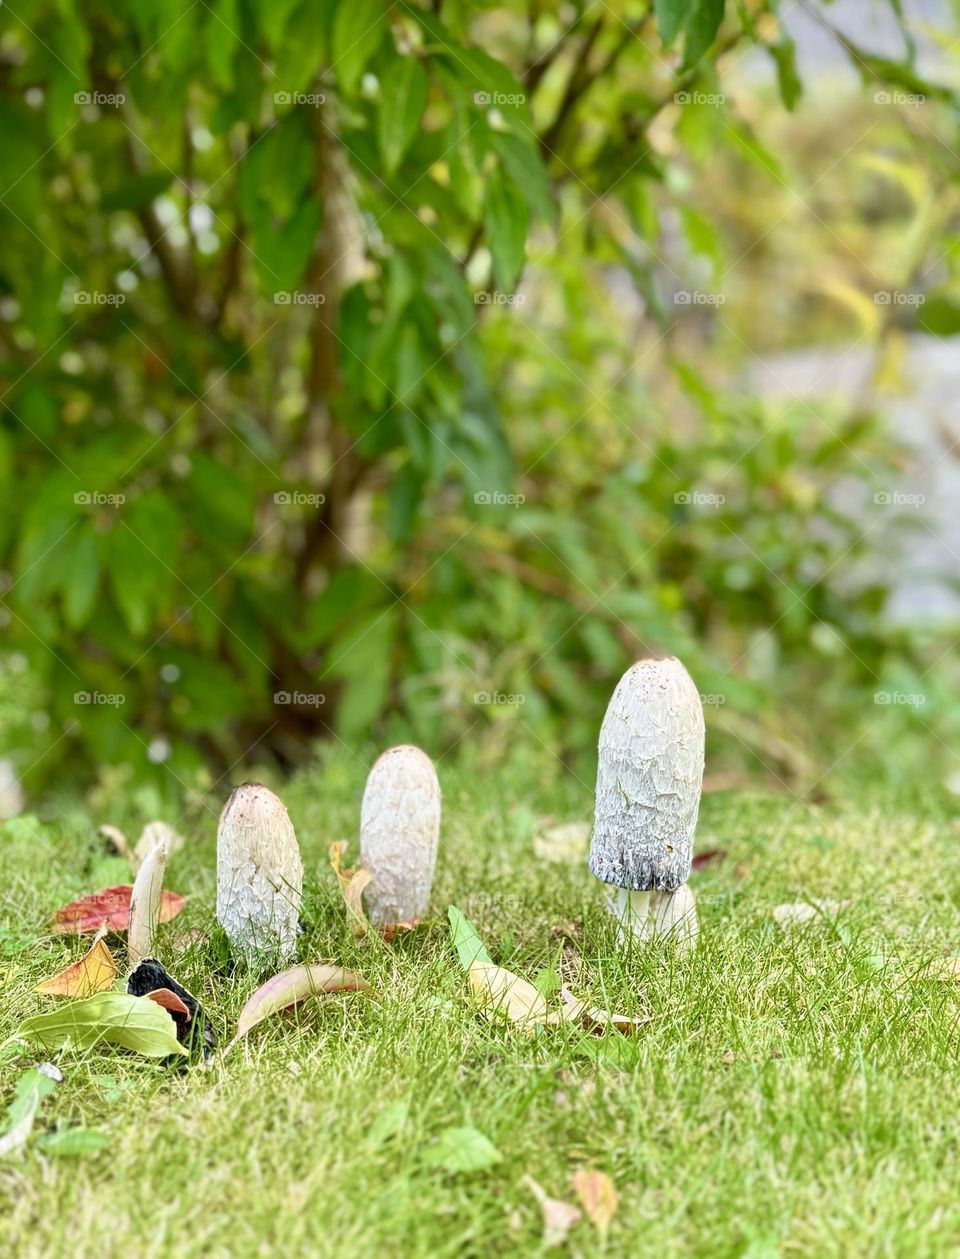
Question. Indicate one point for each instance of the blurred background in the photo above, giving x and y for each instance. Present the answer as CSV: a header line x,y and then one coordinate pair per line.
x,y
403,371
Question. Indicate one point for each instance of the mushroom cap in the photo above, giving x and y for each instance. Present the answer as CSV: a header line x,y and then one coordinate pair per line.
x,y
649,777
259,872
399,832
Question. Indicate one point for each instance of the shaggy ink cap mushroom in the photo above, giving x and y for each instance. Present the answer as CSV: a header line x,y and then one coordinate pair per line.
x,y
399,833
259,873
649,778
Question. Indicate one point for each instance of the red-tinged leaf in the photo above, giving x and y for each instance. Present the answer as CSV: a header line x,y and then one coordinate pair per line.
x,y
94,972
110,909
169,1000
706,858
293,986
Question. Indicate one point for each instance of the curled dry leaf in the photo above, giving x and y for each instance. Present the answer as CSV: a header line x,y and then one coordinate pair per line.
x,y
167,998
352,884
94,972
109,909
390,930
708,857
559,1217
565,844
293,986
504,995
145,902
593,1019
598,1196
797,913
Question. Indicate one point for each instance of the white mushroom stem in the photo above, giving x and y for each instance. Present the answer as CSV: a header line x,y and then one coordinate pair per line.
x,y
399,833
649,916
145,903
259,873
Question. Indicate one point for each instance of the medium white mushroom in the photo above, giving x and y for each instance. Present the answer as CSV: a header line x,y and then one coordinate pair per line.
x,y
399,831
259,873
649,778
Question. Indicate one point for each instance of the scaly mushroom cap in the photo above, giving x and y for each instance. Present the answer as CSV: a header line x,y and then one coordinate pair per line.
x,y
399,830
259,873
649,778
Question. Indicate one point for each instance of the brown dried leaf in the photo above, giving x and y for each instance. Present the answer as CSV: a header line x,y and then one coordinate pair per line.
x,y
391,929
352,884
503,994
707,857
559,1217
598,1196
593,1019
797,913
94,972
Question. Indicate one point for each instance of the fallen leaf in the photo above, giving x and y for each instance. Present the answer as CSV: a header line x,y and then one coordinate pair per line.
x,y
145,903
798,912
592,1018
109,908
150,980
707,857
501,993
558,1217
389,1123
291,987
390,930
32,1087
565,844
112,1017
598,1196
352,884
461,1150
167,998
466,939
94,972
120,843
73,1142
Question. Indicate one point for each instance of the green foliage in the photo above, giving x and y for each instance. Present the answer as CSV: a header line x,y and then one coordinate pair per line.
x,y
268,408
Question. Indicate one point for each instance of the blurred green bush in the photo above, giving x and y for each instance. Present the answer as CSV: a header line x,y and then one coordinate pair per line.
x,y
287,452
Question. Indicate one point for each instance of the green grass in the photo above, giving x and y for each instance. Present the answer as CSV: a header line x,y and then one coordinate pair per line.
x,y
794,1092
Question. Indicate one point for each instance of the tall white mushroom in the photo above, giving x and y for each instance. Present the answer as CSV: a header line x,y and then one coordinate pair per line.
x,y
259,873
649,779
399,832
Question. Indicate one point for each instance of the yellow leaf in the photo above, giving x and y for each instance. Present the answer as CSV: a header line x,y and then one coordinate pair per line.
x,y
352,884
503,994
598,1194
95,972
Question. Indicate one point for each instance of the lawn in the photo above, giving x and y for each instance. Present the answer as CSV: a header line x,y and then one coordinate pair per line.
x,y
794,1091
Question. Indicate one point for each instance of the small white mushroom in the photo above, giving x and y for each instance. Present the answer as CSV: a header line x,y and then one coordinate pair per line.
x,y
649,778
259,873
399,831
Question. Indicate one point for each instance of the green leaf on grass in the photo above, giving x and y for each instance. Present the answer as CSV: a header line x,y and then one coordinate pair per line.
x,y
462,1150
73,1142
32,1087
113,1017
466,940
389,1123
